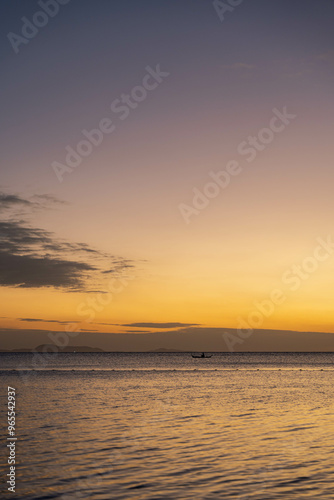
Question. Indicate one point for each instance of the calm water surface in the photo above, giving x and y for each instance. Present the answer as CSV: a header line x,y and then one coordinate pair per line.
x,y
166,426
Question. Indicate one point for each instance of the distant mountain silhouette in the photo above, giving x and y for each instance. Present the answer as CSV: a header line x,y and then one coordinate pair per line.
x,y
163,349
192,339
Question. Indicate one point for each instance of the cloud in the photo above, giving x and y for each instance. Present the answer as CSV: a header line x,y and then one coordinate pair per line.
x,y
26,271
138,331
160,325
33,320
12,200
14,204
125,264
33,258
150,325
49,199
39,320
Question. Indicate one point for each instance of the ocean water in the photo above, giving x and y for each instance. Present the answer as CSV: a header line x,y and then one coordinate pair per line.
x,y
167,426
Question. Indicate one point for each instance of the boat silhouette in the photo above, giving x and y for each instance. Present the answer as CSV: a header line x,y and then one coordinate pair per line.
x,y
201,356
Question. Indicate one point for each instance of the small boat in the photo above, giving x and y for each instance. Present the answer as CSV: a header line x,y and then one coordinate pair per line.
x,y
201,356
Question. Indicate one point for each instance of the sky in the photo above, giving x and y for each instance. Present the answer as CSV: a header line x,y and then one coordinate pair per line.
x,y
166,167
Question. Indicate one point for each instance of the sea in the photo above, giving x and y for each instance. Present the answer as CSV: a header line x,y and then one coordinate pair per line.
x,y
167,426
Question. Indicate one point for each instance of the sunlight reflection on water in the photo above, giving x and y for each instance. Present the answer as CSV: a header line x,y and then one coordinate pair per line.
x,y
241,427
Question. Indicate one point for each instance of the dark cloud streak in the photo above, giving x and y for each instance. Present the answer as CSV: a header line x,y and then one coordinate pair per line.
x,y
33,258
39,320
26,271
160,325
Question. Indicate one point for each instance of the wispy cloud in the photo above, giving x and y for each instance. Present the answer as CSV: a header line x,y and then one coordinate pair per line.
x,y
17,205
160,325
39,320
10,200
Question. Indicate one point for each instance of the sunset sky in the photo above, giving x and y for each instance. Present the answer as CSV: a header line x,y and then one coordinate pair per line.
x,y
106,245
